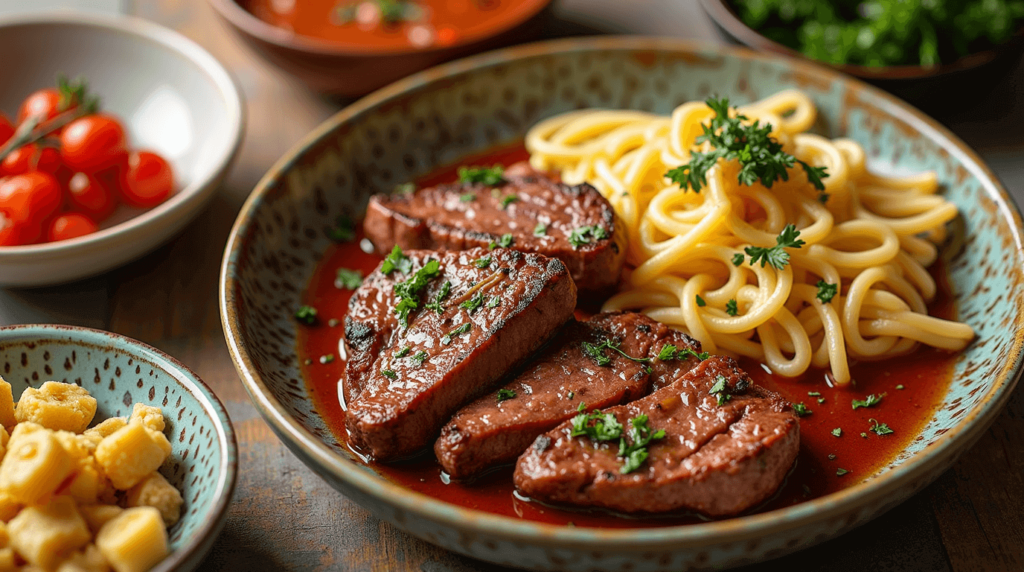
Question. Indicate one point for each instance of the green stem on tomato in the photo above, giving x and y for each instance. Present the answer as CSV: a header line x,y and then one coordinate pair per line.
x,y
31,130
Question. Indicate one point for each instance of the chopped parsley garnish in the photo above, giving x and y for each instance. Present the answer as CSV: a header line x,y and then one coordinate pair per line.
x,y
344,230
471,304
405,189
669,352
467,198
447,339
389,374
489,176
507,200
505,241
900,386
306,315
396,260
880,428
869,401
420,357
435,305
801,410
348,279
587,234
840,472
700,301
572,394
826,291
482,262
600,427
403,352
504,394
540,230
596,351
730,308
823,198
721,390
814,393
640,435
494,301
760,156
776,255
737,259
327,358
831,456
837,432
821,400
864,435
408,291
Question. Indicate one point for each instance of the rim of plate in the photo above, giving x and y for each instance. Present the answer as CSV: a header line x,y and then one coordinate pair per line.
x,y
631,539
144,31
203,538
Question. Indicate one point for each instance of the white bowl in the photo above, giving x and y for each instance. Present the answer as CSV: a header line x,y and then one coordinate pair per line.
x,y
172,96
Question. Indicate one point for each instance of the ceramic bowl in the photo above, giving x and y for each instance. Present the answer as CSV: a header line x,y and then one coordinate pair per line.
x,y
172,96
935,88
354,70
451,112
118,372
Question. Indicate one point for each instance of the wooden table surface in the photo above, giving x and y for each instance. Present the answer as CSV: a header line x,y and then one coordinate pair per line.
x,y
286,518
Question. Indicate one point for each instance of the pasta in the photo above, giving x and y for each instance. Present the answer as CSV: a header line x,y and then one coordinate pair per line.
x,y
867,238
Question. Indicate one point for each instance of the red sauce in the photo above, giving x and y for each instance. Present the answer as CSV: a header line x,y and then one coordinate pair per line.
x,y
419,24
924,375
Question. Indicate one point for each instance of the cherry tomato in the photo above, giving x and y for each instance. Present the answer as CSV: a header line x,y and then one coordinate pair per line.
x,y
6,129
31,158
148,180
93,143
30,197
42,104
70,225
91,195
18,234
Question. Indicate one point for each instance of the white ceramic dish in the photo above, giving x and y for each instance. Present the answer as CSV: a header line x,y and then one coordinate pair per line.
x,y
173,97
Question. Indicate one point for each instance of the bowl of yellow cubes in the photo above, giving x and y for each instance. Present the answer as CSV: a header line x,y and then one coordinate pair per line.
x,y
113,455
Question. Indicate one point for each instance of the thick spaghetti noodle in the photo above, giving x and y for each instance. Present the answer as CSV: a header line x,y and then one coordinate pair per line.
x,y
856,287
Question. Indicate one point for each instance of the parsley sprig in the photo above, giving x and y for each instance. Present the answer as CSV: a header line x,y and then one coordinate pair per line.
x,y
869,401
826,291
603,427
505,394
396,260
435,305
489,176
408,291
596,351
669,352
776,255
586,235
760,156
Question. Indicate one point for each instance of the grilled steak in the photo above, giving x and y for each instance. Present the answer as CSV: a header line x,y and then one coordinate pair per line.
x,y
460,216
715,459
490,432
404,383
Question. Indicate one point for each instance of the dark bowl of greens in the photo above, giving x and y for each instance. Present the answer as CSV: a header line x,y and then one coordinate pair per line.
x,y
933,53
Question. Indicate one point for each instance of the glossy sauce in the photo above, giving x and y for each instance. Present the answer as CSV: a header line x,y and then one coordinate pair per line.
x,y
423,24
924,375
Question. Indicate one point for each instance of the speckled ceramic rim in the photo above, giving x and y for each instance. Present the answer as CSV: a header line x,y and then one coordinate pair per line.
x,y
227,471
941,452
198,190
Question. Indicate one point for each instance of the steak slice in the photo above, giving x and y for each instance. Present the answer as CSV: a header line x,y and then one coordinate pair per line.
x,y
443,217
488,432
718,460
501,306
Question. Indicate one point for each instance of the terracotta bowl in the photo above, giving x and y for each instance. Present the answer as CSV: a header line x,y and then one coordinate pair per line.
x,y
352,71
446,114
934,89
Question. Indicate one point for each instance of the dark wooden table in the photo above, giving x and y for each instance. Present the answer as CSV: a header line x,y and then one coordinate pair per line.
x,y
285,518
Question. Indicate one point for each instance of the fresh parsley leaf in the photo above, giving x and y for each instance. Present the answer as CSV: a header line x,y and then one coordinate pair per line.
x,y
840,472
669,352
900,386
489,176
826,291
467,197
447,339
389,374
880,428
633,461
344,230
420,357
821,400
721,390
494,301
596,351
801,410
483,262
540,230
403,352
505,241
603,427
814,393
471,304
776,255
396,260
700,302
587,234
837,432
306,315
823,198
435,305
507,200
869,401
504,394
730,308
348,279
737,259
408,291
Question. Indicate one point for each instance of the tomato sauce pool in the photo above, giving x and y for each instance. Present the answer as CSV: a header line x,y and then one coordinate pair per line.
x,y
913,388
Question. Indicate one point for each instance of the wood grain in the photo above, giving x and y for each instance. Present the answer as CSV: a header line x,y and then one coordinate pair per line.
x,y
286,518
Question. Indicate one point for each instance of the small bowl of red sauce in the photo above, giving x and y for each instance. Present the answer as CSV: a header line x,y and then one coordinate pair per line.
x,y
352,47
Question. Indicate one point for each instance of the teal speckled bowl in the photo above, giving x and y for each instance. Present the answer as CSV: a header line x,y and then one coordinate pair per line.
x,y
119,372
450,112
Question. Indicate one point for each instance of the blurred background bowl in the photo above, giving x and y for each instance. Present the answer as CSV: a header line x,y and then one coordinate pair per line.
x,y
120,371
352,70
935,89
172,96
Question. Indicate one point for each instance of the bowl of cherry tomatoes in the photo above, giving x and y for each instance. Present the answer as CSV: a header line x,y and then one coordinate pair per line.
x,y
101,168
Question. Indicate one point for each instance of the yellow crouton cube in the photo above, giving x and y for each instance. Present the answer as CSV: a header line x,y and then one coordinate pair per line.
x,y
34,466
96,515
150,416
8,562
131,453
104,429
57,406
156,492
88,560
46,534
78,446
134,541
6,405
